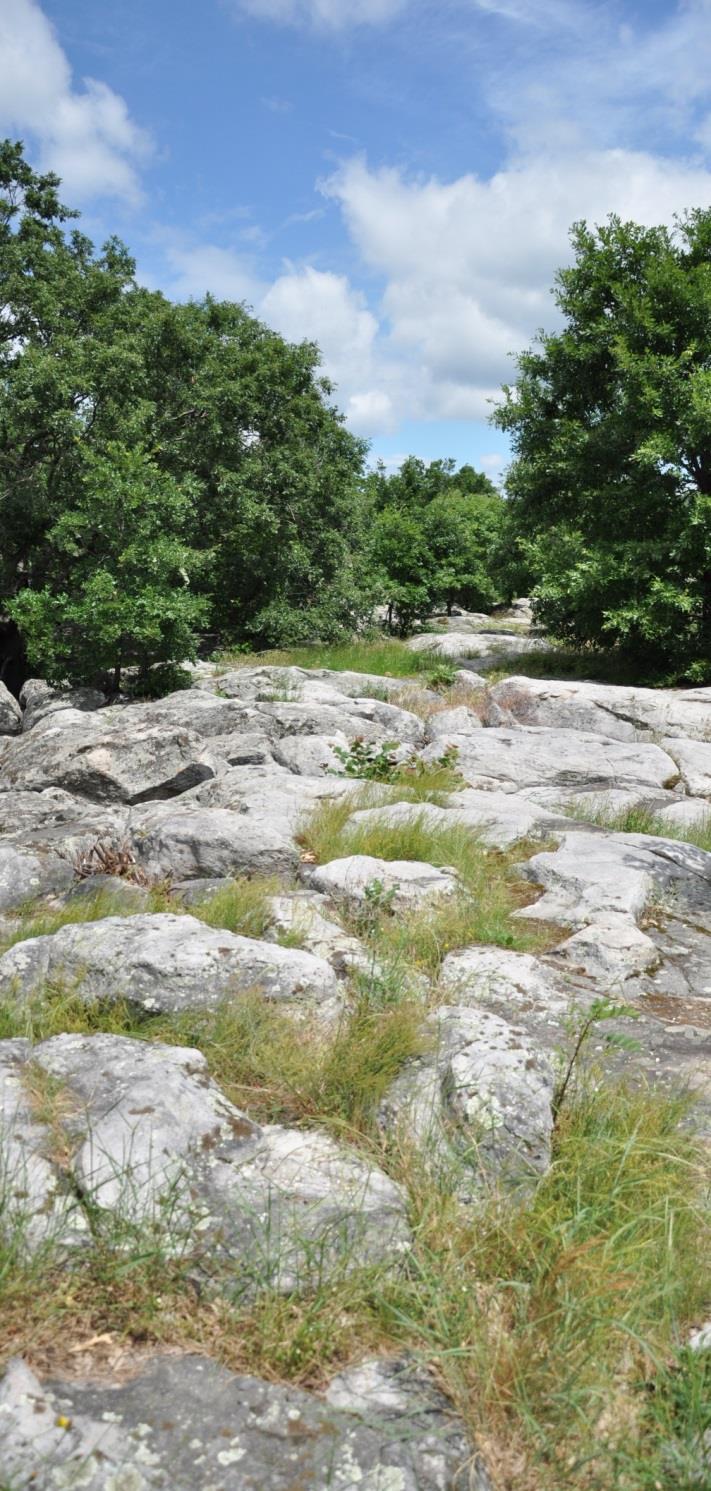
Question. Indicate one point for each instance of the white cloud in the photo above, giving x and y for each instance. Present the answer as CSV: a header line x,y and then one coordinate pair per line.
x,y
195,269
332,15
312,304
467,265
86,135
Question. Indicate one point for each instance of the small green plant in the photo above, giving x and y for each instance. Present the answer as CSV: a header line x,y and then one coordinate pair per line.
x,y
371,761
425,780
600,1011
444,676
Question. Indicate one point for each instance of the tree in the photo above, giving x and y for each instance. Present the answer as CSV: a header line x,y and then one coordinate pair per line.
x,y
462,529
610,418
258,466
117,590
434,534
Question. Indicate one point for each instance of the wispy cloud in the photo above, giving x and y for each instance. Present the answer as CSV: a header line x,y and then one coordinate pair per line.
x,y
330,15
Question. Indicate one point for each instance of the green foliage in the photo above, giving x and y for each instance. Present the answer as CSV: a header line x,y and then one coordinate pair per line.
x,y
117,576
137,435
610,489
433,538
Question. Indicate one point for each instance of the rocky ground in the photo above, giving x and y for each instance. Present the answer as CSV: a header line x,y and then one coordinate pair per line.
x,y
147,812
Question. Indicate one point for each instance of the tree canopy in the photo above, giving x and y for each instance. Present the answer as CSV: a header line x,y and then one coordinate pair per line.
x,y
144,441
610,419
434,538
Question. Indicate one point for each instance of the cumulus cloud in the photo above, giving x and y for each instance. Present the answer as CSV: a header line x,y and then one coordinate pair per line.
x,y
329,14
85,134
467,265
313,304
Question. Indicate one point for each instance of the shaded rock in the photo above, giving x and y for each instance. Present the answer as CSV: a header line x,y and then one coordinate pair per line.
x,y
604,709
10,712
125,895
187,1424
26,873
154,1142
404,882
106,761
191,842
164,963
39,699
484,1095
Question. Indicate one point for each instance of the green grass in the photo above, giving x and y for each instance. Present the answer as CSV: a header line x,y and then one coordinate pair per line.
x,y
36,920
586,664
642,820
421,938
389,658
554,1325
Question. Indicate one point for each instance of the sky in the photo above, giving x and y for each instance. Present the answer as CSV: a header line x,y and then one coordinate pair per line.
x,y
394,179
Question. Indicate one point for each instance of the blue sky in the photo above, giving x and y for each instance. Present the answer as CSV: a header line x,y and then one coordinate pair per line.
x,y
392,178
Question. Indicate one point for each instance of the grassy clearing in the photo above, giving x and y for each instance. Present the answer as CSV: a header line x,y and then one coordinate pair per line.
x,y
642,820
387,657
420,939
554,1325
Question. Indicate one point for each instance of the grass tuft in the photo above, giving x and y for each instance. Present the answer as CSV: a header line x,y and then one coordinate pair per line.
x,y
643,820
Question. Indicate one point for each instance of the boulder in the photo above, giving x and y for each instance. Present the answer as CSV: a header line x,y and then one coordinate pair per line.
x,y
510,983
450,722
165,963
367,719
99,757
603,709
152,1141
311,755
39,699
482,1096
304,916
188,1424
593,875
498,818
401,883
489,647
611,949
190,842
515,760
10,713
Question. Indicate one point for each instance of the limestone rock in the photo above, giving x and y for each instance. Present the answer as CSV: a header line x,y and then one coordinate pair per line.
x,y
155,1143
304,916
510,983
693,758
483,1094
10,713
487,646
164,963
191,842
188,1424
36,1207
39,699
450,722
498,818
404,882
99,759
604,709
514,760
